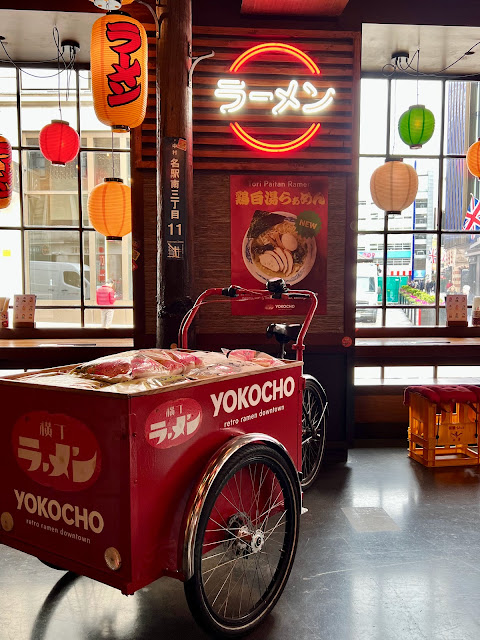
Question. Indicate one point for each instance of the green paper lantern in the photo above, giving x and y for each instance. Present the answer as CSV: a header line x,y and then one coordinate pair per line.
x,y
416,126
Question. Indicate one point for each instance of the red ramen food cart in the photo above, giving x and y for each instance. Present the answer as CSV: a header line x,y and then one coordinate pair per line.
x,y
197,478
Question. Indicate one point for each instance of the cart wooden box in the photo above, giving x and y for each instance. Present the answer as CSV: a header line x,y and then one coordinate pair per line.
x,y
443,425
100,483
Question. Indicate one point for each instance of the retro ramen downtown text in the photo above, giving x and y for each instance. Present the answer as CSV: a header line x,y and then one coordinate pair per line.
x,y
279,228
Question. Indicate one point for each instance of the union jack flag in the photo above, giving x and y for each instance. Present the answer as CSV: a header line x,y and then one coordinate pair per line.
x,y
432,255
472,217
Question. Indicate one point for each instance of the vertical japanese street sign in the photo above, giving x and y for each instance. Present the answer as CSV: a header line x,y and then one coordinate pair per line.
x,y
174,199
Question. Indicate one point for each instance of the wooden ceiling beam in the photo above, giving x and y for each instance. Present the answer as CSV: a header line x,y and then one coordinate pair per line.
x,y
297,8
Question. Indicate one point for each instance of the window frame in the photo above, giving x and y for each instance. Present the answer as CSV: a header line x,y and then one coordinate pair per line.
x,y
81,228
389,234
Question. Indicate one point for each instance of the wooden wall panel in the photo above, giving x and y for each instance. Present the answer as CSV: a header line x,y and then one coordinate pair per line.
x,y
332,149
144,140
212,256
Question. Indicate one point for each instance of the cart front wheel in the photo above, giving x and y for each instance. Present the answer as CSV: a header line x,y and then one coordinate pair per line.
x,y
314,430
245,543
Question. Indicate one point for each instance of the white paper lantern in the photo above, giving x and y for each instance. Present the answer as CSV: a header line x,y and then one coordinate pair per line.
x,y
394,186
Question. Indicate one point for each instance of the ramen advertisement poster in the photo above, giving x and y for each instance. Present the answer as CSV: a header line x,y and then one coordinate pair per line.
x,y
279,230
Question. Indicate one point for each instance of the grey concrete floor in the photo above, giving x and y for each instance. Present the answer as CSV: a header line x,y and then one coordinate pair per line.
x,y
389,550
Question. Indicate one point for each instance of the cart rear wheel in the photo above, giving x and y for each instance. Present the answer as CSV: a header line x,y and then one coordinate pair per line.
x,y
52,566
314,430
245,543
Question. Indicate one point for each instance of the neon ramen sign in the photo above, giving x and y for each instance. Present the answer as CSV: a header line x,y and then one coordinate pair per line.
x,y
303,99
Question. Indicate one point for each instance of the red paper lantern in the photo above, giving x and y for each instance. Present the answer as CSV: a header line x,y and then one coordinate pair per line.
x,y
59,143
5,172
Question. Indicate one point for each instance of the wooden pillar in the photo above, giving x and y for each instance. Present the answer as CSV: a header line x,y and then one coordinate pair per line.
x,y
174,287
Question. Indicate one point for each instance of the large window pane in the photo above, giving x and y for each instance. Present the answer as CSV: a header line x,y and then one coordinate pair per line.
x,y
10,217
458,188
373,106
461,116
93,132
98,165
411,265
47,262
404,95
53,271
40,104
414,316
422,214
10,264
8,105
50,192
57,318
460,265
369,279
370,217
109,260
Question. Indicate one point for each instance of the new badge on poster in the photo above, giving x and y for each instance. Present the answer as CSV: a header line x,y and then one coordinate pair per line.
x,y
279,230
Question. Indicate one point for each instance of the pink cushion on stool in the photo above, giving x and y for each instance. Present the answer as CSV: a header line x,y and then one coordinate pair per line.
x,y
444,394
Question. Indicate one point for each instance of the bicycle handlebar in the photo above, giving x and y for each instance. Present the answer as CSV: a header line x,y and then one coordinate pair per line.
x,y
236,292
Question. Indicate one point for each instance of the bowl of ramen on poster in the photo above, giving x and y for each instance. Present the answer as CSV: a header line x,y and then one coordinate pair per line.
x,y
273,248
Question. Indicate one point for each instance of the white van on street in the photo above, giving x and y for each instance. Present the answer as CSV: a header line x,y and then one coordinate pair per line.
x,y
58,280
367,291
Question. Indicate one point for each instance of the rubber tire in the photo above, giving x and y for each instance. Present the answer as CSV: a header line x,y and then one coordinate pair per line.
x,y
52,566
194,592
319,397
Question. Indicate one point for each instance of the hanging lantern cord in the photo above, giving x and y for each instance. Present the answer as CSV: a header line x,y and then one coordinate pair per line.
x,y
418,64
113,160
55,37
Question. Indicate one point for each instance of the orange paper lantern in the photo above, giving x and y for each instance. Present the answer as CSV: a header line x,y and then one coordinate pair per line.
x,y
110,208
473,159
5,172
119,70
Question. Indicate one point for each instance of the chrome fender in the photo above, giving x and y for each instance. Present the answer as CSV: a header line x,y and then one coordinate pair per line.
x,y
211,472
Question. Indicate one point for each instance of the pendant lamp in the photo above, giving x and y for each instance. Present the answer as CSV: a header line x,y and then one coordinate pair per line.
x,y
5,172
416,126
110,208
473,159
394,186
59,143
119,68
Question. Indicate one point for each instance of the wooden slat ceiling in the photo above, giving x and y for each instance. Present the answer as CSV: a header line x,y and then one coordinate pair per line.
x,y
295,7
215,145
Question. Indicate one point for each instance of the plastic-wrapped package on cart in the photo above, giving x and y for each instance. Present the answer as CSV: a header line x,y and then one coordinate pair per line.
x,y
144,384
123,367
63,379
216,370
135,371
256,357
166,357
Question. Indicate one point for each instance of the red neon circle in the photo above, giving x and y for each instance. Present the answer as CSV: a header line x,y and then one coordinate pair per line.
x,y
272,147
239,131
279,48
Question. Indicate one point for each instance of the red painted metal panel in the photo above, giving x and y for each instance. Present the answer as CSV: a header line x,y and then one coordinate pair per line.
x,y
299,7
140,460
66,526
166,477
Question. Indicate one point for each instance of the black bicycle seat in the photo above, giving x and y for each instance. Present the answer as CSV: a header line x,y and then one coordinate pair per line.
x,y
283,333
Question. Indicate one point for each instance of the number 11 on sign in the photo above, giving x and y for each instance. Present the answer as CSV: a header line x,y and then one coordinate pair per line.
x,y
172,226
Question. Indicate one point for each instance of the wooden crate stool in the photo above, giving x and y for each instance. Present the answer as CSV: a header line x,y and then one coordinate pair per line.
x,y
443,424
